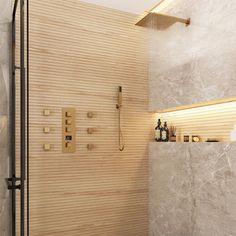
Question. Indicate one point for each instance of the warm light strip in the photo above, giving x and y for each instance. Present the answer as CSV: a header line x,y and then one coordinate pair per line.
x,y
161,6
199,105
215,107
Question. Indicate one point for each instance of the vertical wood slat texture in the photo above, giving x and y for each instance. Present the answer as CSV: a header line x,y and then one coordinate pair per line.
x,y
79,55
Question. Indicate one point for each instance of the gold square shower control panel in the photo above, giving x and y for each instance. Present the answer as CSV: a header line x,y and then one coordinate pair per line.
x,y
68,130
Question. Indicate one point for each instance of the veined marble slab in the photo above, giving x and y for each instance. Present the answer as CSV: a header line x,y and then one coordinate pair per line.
x,y
5,198
192,189
194,64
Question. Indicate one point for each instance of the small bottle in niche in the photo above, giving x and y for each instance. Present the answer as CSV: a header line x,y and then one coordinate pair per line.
x,y
158,131
233,134
186,138
165,133
172,133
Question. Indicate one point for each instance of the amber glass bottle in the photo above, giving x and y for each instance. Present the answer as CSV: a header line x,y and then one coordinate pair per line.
x,y
165,133
158,131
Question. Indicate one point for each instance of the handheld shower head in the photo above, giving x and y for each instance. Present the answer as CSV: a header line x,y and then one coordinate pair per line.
x,y
119,104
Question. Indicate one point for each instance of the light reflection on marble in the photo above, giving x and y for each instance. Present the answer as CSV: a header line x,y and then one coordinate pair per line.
x,y
195,63
192,189
5,201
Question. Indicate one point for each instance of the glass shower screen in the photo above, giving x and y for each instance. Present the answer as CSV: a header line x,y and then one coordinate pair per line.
x,y
5,195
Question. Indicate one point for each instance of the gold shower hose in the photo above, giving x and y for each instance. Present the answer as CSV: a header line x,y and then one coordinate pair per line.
x,y
118,106
121,138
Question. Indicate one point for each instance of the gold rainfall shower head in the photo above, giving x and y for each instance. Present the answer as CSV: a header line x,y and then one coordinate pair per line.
x,y
155,13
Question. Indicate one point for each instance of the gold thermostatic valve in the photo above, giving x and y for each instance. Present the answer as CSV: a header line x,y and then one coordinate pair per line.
x,y
68,130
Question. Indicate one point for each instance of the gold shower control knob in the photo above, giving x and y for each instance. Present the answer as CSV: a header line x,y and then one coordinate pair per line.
x,y
68,122
68,145
68,114
68,129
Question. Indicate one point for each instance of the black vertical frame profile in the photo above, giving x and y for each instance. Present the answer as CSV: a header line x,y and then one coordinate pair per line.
x,y
24,118
13,124
27,115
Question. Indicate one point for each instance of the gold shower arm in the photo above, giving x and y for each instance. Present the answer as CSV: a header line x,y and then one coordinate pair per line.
x,y
169,17
175,18
155,11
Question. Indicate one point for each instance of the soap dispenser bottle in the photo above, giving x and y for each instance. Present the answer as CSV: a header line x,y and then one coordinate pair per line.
x,y
158,131
165,133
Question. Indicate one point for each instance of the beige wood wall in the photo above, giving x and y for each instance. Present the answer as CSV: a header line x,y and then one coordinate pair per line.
x,y
79,55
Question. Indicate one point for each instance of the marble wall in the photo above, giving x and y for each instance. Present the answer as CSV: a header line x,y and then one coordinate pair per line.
x,y
192,189
5,13
195,63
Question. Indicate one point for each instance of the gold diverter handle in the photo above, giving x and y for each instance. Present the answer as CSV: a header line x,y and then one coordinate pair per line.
x,y
118,107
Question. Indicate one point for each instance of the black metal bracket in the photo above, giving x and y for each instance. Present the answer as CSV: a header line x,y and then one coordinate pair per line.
x,y
12,183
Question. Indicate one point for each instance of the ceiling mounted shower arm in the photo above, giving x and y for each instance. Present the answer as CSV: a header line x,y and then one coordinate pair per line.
x,y
156,12
175,18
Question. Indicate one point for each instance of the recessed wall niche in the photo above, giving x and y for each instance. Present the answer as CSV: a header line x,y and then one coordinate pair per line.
x,y
214,122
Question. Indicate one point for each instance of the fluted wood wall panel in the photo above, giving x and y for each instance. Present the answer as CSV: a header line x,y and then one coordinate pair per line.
x,y
79,55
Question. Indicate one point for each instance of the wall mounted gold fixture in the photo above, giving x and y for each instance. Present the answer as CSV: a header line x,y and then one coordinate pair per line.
x,y
68,130
46,130
155,13
90,130
46,112
47,147
119,108
90,114
90,146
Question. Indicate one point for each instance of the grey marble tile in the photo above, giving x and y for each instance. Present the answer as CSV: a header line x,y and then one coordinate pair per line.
x,y
5,11
5,200
196,63
192,189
